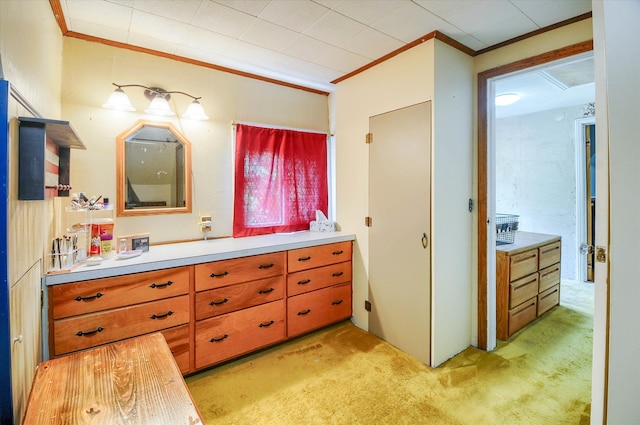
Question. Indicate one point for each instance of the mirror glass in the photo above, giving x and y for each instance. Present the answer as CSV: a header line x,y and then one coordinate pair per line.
x,y
154,170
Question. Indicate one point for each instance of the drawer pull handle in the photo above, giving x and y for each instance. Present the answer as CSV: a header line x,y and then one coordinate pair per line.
x,y
162,316
337,274
161,285
89,298
336,302
222,338
304,258
95,331
265,291
219,275
266,266
266,325
304,313
304,282
219,302
337,252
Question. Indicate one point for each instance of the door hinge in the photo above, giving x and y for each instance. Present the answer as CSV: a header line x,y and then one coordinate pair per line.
x,y
470,205
367,305
369,138
41,300
368,221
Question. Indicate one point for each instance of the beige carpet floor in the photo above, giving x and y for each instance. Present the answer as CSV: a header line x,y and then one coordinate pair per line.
x,y
344,375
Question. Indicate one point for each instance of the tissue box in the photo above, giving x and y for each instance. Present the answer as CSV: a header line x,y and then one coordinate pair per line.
x,y
322,224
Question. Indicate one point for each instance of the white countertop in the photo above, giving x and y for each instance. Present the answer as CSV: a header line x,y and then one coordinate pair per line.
x,y
187,253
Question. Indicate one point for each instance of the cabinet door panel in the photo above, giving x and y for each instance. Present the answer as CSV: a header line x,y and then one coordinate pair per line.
x,y
236,297
228,272
523,289
548,299
229,335
102,294
523,264
321,277
315,309
317,256
522,315
178,342
89,330
549,254
549,277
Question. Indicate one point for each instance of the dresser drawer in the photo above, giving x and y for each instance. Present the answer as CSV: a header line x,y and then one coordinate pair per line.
x,y
90,296
316,256
523,264
229,335
228,272
522,315
523,289
236,297
89,330
178,342
321,277
548,299
315,309
549,277
549,254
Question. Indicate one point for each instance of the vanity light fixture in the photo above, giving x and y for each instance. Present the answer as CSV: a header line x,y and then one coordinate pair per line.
x,y
506,99
159,102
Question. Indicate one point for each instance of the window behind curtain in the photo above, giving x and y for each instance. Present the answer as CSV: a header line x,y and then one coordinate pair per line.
x,y
280,180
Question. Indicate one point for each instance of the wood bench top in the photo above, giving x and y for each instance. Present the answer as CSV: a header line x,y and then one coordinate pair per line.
x,y
135,381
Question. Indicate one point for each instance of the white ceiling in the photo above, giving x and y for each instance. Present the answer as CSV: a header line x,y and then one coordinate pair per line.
x,y
307,42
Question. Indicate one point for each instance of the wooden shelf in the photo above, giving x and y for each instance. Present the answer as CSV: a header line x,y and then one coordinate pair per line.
x,y
44,157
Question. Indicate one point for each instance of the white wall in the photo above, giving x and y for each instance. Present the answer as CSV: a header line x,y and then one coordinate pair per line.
x,y
536,175
408,79
90,68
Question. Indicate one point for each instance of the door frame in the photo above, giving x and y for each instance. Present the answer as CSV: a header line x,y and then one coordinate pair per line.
x,y
581,194
486,295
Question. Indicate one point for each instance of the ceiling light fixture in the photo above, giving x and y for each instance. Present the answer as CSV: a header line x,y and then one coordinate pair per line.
x,y
506,99
159,102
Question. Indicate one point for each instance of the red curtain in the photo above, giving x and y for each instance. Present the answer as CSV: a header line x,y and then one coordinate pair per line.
x,y
280,180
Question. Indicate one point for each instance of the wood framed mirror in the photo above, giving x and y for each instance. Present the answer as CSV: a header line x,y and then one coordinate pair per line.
x,y
153,170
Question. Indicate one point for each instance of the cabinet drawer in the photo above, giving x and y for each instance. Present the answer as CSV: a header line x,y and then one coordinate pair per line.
x,y
523,264
235,297
549,254
523,289
229,335
228,272
90,296
549,277
522,315
178,341
86,331
316,256
548,299
321,277
318,308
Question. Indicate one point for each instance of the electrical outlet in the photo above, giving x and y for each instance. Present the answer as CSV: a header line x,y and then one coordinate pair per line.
x,y
205,223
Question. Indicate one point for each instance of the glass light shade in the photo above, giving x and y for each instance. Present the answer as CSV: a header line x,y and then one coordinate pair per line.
x,y
195,112
159,106
119,101
506,99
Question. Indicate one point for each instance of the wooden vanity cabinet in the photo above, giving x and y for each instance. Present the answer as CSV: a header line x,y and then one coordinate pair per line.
x,y
318,287
527,280
94,312
239,307
208,312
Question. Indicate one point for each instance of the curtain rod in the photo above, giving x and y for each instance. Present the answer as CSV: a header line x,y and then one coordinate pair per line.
x,y
233,123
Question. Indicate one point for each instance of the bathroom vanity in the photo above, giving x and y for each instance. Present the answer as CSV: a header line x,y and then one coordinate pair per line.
x,y
212,300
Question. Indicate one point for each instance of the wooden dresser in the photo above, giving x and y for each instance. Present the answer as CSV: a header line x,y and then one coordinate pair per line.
x,y
209,312
527,280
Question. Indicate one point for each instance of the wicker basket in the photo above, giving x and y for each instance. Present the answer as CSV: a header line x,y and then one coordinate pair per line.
x,y
506,228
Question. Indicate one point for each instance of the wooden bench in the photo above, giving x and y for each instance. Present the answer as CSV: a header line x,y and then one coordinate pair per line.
x,y
135,381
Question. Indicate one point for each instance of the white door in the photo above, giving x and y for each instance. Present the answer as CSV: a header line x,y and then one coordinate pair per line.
x,y
399,236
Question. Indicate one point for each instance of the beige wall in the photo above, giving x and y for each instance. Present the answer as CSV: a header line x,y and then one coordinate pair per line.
x,y
30,49
88,71
431,71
